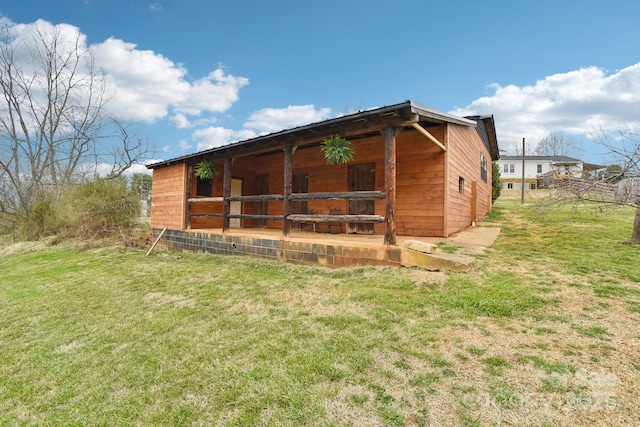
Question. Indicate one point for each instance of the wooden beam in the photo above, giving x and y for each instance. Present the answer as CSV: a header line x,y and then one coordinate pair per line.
x,y
189,181
226,193
207,215
335,218
288,179
426,133
349,195
248,216
257,198
206,199
390,149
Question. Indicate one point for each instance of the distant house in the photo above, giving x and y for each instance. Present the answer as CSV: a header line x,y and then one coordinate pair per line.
x,y
417,171
540,171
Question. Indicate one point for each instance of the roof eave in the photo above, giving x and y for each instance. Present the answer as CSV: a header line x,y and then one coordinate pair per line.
x,y
399,115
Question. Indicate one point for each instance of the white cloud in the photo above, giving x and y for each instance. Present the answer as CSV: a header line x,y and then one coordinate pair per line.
x,y
184,145
181,121
261,122
146,83
139,168
215,136
156,7
142,84
214,93
276,119
575,103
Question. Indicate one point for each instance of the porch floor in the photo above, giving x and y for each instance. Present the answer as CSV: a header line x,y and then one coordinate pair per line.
x,y
343,249
317,237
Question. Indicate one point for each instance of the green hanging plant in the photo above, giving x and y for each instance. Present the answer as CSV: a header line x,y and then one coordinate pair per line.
x,y
337,150
206,170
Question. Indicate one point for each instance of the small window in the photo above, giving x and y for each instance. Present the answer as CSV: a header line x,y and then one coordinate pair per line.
x,y
533,185
512,168
483,167
461,185
509,185
566,168
204,187
506,168
539,168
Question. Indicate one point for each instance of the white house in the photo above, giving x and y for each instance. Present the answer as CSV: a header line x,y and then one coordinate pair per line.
x,y
535,168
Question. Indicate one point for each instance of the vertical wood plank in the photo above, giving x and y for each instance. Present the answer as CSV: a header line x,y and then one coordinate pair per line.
x,y
390,159
189,186
226,193
474,201
288,179
445,213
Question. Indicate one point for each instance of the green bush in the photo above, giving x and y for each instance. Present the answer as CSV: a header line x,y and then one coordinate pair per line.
x,y
99,207
39,222
86,210
496,184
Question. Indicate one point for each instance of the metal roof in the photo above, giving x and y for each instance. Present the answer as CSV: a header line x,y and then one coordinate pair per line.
x,y
350,125
487,131
555,159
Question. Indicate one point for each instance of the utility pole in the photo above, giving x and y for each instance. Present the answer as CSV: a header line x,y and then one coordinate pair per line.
x,y
522,196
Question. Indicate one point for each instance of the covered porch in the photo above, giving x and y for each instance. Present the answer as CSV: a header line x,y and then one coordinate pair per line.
x,y
417,173
397,183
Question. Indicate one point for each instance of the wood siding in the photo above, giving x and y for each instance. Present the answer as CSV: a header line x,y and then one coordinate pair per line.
x,y
420,194
465,149
168,197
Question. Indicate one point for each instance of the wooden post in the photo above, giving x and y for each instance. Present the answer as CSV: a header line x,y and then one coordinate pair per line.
x,y
288,178
189,185
390,134
474,202
445,185
226,193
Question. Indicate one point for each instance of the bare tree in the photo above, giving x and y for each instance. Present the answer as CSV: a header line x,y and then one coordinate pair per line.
x,y
54,125
557,145
625,148
619,187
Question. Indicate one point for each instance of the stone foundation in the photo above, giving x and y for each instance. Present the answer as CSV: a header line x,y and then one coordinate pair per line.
x,y
336,254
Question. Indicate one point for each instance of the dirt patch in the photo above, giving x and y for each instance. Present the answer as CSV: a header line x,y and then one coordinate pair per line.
x,y
158,299
425,278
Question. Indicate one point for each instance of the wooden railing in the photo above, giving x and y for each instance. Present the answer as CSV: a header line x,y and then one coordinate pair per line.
x,y
295,197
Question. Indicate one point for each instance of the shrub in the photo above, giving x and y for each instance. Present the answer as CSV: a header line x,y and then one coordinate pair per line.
x,y
496,184
99,207
41,221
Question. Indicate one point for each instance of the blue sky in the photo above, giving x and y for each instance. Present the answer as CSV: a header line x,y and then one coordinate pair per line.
x,y
200,73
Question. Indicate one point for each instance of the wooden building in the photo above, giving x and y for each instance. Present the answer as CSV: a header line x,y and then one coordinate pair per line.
x,y
416,172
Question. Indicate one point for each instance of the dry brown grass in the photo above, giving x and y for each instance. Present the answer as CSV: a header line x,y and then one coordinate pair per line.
x,y
540,333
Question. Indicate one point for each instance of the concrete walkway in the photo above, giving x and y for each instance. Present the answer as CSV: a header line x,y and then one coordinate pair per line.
x,y
472,241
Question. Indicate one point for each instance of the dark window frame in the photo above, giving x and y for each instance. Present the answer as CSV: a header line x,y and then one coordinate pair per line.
x,y
483,168
204,187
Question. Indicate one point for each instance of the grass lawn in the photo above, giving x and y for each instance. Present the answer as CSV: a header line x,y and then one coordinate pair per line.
x,y
544,331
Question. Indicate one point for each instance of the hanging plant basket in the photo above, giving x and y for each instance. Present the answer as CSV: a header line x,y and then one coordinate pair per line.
x,y
337,150
205,170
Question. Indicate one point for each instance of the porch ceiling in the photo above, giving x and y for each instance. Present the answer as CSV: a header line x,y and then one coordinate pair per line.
x,y
360,124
